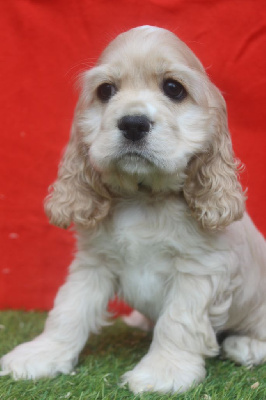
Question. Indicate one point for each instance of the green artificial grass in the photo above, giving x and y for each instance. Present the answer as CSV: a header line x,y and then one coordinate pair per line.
x,y
106,357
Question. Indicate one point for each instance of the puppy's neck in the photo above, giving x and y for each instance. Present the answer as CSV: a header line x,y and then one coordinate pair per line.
x,y
127,185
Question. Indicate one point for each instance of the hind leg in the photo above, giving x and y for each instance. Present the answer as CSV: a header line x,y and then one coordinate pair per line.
x,y
245,350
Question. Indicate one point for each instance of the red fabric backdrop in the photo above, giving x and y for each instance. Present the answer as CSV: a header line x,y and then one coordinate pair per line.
x,y
44,44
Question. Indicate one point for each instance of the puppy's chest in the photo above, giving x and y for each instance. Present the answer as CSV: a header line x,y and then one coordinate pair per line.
x,y
138,232
142,256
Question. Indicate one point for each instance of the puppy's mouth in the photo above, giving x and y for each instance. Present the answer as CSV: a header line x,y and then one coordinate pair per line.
x,y
134,156
135,161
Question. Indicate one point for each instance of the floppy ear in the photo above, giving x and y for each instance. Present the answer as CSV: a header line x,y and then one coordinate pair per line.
x,y
212,189
77,195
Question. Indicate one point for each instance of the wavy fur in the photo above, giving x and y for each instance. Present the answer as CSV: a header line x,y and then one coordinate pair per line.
x,y
212,189
78,195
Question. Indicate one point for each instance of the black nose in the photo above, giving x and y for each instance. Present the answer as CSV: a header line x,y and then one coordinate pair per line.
x,y
134,127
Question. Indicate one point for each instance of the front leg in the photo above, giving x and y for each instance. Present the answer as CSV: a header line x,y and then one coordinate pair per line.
x,y
183,336
80,308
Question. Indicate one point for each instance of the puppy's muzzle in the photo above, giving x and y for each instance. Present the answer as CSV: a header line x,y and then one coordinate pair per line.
x,y
134,127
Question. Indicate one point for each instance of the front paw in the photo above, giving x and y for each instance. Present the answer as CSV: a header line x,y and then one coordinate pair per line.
x,y
159,373
36,359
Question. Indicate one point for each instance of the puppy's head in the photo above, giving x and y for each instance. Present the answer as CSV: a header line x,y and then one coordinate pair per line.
x,y
148,117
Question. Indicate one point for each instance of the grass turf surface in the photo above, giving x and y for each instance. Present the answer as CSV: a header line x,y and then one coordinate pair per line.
x,y
106,357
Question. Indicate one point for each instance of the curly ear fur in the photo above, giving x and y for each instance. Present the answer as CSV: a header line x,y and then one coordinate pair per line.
x,y
77,195
212,189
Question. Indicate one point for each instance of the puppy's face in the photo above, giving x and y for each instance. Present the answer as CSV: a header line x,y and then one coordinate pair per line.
x,y
146,108
148,119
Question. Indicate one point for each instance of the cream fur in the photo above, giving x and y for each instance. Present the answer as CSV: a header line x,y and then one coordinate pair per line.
x,y
160,223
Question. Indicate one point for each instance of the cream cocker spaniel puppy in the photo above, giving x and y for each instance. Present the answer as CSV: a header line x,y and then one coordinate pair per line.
x,y
150,182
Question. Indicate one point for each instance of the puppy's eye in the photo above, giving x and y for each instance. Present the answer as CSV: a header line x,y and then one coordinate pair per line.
x,y
174,90
105,91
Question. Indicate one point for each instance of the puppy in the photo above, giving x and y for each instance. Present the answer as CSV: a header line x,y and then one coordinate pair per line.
x,y
149,180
